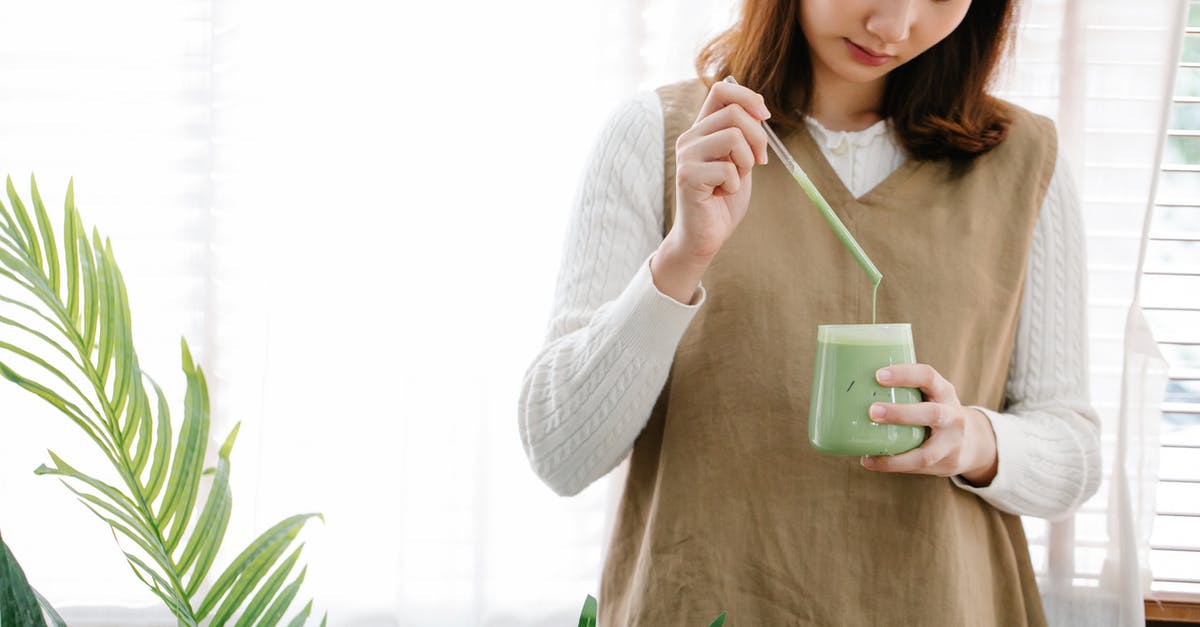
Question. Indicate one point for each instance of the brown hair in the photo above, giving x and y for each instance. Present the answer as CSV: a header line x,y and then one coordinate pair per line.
x,y
937,102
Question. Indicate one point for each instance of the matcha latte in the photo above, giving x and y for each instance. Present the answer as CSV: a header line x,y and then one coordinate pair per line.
x,y
844,387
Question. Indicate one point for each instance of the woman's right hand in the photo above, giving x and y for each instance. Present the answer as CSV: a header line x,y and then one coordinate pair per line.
x,y
713,160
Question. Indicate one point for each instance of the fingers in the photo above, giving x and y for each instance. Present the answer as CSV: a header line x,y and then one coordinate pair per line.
x,y
715,177
921,376
732,116
931,458
728,144
933,415
729,135
722,94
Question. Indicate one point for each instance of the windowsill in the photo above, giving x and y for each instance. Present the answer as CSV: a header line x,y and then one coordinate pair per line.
x,y
1173,609
159,616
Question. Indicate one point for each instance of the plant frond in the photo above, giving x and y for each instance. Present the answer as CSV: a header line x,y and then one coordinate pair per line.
x,y
78,290
263,597
248,566
274,614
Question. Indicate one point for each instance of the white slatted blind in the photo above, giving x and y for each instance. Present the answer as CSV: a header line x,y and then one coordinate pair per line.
x,y
1096,67
1171,286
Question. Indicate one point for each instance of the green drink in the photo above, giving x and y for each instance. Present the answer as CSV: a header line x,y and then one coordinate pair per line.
x,y
844,387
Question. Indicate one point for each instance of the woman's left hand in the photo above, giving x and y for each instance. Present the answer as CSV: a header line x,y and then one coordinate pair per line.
x,y
962,441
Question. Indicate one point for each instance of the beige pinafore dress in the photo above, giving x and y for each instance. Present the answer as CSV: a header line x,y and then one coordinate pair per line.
x,y
728,508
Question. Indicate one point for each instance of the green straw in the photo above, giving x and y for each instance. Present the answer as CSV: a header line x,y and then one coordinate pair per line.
x,y
815,196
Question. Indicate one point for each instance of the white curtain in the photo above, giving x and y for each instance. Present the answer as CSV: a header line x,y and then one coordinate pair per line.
x,y
1104,70
411,169
355,212
383,188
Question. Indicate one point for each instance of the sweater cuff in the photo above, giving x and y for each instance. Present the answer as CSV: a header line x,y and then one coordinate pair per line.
x,y
1012,460
644,316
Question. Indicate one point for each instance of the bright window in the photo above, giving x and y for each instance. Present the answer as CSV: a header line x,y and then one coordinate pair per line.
x,y
1171,285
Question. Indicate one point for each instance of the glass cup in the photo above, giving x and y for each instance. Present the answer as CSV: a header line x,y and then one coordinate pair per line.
x,y
844,387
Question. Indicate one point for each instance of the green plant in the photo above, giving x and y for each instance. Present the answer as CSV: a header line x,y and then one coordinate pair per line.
x,y
20,604
587,618
74,307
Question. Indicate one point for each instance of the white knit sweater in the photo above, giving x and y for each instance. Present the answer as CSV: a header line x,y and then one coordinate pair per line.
x,y
612,335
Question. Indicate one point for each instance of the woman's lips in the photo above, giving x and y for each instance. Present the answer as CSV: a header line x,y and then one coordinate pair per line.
x,y
864,56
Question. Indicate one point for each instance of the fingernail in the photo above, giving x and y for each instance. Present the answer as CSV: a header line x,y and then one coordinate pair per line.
x,y
764,112
877,411
883,375
867,461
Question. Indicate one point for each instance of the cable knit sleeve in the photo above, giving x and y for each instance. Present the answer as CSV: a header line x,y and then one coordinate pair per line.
x,y
612,335
1048,438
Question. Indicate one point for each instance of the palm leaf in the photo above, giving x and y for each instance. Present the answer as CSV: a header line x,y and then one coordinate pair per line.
x,y
91,291
11,229
50,396
27,230
17,350
302,616
128,396
106,335
162,445
47,235
143,429
168,540
275,613
71,254
213,519
265,549
258,604
189,454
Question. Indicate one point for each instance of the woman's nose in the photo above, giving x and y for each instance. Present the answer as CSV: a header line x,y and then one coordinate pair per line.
x,y
890,20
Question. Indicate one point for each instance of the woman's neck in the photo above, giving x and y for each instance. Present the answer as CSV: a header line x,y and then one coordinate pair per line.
x,y
841,105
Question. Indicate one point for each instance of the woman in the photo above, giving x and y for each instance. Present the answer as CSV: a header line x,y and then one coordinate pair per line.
x,y
962,202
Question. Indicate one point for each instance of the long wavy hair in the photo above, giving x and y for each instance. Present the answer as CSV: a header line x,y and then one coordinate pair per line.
x,y
938,102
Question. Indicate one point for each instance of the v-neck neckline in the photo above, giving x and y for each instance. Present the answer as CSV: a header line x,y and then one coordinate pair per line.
x,y
830,183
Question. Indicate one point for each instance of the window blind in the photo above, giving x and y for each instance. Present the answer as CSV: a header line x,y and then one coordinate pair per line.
x,y
1097,69
1171,284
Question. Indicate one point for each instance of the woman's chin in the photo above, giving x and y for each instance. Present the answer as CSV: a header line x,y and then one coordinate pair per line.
x,y
855,73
